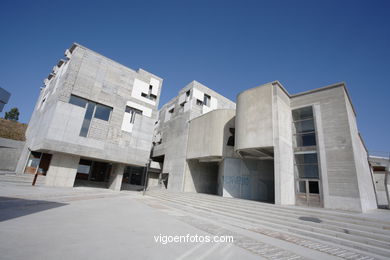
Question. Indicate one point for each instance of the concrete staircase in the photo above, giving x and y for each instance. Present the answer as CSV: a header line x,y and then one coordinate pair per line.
x,y
361,232
22,178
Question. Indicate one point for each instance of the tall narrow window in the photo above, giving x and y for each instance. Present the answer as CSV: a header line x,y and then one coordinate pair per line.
x,y
133,111
304,127
206,100
87,119
307,175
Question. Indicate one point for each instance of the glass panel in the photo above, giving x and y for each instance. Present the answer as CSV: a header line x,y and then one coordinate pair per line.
x,y
87,119
206,100
304,126
306,158
78,101
309,171
102,112
306,140
302,186
302,113
313,187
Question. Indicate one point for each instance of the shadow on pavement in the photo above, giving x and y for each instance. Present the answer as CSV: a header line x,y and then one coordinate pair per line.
x,y
14,207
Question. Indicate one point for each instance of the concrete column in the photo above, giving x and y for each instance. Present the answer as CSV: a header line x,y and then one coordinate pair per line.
x,y
283,150
62,170
115,181
21,165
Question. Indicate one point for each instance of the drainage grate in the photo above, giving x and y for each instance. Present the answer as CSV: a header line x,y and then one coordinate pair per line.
x,y
311,219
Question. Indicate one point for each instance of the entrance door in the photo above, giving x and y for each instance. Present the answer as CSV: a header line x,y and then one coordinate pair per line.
x,y
308,192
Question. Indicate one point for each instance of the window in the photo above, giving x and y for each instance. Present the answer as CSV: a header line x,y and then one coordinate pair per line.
x,y
78,101
206,100
304,127
133,111
314,187
307,165
87,119
199,102
230,141
302,186
102,112
84,166
149,95
171,110
94,110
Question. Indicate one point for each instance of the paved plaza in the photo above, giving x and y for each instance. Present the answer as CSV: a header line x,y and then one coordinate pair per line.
x,y
90,223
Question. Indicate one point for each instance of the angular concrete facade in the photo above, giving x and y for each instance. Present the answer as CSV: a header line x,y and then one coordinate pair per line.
x,y
171,130
92,109
96,121
301,149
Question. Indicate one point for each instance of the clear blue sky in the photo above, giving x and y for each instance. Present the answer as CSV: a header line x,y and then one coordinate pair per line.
x,y
229,46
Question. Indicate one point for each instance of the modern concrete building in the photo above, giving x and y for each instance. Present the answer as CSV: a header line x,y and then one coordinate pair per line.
x,y
93,122
96,121
171,129
4,97
301,149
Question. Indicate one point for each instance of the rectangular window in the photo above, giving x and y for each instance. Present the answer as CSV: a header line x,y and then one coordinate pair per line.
x,y
84,166
302,113
78,101
302,186
206,100
102,112
314,187
307,166
133,111
87,119
199,102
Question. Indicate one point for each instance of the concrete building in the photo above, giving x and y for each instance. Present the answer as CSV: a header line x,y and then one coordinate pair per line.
x,y
380,165
172,126
93,123
96,121
301,149
4,97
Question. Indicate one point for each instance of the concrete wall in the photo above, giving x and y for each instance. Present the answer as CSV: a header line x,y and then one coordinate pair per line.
x,y
337,143
207,134
174,130
10,152
248,179
202,177
283,150
254,125
55,124
363,171
379,181
62,170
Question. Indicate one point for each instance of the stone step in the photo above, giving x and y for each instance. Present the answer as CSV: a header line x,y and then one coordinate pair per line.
x,y
271,221
311,243
340,224
383,238
349,217
368,238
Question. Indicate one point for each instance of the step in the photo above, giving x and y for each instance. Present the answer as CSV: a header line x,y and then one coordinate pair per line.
x,y
322,234
340,225
323,213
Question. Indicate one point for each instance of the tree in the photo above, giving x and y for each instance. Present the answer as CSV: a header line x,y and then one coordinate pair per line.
x,y
13,114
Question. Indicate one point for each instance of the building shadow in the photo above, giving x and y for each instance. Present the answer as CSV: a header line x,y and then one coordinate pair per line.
x,y
14,207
